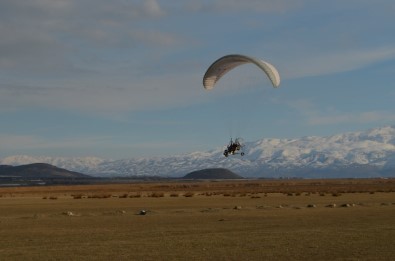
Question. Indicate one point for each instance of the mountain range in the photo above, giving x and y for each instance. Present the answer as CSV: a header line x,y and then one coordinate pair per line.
x,y
362,154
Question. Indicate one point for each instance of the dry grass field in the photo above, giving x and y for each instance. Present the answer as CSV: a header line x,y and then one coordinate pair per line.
x,y
347,219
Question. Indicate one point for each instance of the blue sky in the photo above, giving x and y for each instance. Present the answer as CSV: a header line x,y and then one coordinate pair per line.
x,y
121,79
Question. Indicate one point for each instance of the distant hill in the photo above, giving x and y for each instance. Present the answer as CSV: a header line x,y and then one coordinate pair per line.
x,y
38,171
213,173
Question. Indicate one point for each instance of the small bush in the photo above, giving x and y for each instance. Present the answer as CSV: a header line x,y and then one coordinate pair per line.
x,y
136,195
101,196
77,196
189,194
123,195
156,194
174,195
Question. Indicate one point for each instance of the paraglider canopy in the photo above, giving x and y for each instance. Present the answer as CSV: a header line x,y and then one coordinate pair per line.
x,y
226,63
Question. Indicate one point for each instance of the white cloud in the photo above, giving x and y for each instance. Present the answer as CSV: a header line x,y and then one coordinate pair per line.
x,y
152,8
336,61
256,6
106,93
12,142
155,37
65,54
315,116
47,35
8,142
352,118
101,146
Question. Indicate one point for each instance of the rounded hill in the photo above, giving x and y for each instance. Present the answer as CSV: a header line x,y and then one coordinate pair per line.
x,y
39,171
212,173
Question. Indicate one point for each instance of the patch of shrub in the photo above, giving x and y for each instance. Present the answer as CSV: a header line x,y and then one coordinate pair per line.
x,y
174,195
135,195
100,196
77,196
156,194
189,194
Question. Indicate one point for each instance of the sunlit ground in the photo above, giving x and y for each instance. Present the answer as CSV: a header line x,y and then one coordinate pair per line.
x,y
232,220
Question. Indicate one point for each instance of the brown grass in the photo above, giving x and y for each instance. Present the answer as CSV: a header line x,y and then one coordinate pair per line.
x,y
295,187
359,225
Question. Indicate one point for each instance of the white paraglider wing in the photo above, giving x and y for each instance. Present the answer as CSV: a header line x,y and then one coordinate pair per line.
x,y
224,64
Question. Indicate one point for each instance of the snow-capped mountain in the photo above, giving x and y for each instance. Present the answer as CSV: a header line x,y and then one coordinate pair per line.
x,y
355,154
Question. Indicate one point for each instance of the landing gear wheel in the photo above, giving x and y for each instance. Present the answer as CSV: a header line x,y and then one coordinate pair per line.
x,y
242,154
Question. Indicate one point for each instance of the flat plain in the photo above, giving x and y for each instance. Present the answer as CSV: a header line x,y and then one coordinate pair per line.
x,y
339,219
